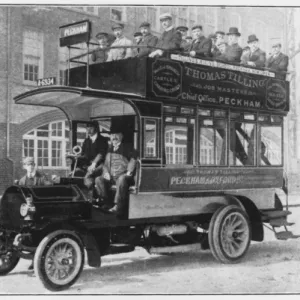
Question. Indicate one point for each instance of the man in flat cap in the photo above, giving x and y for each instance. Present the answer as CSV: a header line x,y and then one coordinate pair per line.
x,y
257,57
33,176
121,40
137,40
220,40
100,55
148,40
170,38
201,46
185,43
233,52
278,61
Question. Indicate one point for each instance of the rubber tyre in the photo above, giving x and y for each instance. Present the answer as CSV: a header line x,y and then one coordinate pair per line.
x,y
4,270
216,233
44,249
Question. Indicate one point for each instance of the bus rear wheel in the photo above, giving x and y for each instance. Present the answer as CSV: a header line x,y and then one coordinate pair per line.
x,y
229,234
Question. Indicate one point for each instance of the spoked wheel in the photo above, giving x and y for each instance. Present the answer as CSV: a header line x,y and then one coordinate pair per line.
x,y
229,234
59,260
8,261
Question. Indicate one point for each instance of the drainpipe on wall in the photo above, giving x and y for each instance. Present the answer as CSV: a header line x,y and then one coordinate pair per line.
x,y
8,87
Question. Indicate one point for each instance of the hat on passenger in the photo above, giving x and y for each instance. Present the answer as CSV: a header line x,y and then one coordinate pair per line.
x,y
99,35
252,38
117,25
247,48
220,32
28,160
188,37
165,16
93,124
137,34
117,127
197,26
276,45
212,36
145,24
234,31
182,28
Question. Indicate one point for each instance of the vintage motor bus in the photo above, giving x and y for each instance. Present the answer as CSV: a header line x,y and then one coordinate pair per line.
x,y
210,142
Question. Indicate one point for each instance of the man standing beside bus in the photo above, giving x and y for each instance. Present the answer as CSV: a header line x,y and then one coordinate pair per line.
x,y
148,40
121,40
170,38
119,168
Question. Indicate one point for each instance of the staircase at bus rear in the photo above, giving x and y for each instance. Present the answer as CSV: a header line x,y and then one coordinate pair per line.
x,y
279,219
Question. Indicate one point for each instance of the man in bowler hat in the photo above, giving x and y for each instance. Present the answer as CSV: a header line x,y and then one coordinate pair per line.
x,y
148,40
278,61
233,52
201,46
119,168
257,57
170,38
121,40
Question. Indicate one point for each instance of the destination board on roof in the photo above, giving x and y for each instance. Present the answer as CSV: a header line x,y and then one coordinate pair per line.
x,y
75,33
209,85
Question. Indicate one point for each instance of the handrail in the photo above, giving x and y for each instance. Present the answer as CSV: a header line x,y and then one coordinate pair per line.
x,y
172,51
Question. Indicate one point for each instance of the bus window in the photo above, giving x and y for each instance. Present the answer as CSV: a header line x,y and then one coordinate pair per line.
x,y
212,142
150,138
270,146
242,144
179,144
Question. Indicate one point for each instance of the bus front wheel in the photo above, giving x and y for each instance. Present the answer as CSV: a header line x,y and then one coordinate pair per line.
x,y
229,234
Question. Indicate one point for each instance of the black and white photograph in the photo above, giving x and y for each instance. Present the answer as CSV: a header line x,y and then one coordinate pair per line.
x,y
149,148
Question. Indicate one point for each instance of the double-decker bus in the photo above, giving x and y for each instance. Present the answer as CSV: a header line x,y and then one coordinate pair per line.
x,y
210,141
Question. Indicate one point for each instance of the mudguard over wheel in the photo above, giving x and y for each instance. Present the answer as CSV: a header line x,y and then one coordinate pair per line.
x,y
229,234
59,259
8,261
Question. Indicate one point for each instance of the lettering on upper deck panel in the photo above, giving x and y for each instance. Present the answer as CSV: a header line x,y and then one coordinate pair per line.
x,y
166,79
276,97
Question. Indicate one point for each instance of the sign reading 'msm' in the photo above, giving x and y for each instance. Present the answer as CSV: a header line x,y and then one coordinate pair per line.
x,y
75,33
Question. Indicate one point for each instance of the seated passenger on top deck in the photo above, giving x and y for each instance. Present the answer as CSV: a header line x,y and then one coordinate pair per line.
x,y
121,40
278,61
257,57
100,55
148,39
119,169
201,46
170,38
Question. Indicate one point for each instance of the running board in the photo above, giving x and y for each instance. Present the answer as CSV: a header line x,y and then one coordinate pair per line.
x,y
268,215
177,249
280,222
119,248
285,235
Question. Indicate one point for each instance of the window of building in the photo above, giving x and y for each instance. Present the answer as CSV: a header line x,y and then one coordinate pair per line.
x,y
118,14
49,143
210,20
94,10
63,53
152,18
182,16
32,56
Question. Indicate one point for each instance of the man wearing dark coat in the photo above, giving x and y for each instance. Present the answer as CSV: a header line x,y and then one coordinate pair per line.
x,y
148,40
119,168
233,52
257,57
185,43
100,55
170,38
94,149
201,46
278,61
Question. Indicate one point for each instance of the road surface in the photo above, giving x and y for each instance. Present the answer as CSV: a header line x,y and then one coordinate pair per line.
x,y
269,267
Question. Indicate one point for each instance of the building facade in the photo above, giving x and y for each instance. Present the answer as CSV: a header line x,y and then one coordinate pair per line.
x,y
30,50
